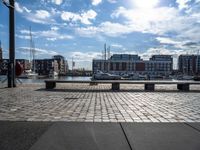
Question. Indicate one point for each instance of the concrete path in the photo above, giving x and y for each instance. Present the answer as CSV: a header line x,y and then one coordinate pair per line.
x,y
99,136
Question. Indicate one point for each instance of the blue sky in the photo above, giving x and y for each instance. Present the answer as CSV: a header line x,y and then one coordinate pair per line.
x,y
79,28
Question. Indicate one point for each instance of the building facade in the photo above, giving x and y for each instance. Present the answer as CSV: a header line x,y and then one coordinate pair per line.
x,y
61,64
25,64
124,63
46,66
189,64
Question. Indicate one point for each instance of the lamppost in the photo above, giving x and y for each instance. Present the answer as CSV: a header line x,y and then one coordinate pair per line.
x,y
11,63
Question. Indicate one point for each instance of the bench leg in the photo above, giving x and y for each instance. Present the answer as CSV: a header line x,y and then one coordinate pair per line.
x,y
50,85
93,83
115,86
149,87
183,87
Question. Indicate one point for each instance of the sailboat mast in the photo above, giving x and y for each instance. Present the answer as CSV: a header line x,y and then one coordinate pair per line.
x,y
33,53
30,44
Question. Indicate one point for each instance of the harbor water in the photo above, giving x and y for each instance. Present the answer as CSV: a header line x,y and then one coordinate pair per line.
x,y
41,80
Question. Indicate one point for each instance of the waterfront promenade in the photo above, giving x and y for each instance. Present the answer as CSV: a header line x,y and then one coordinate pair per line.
x,y
84,103
84,117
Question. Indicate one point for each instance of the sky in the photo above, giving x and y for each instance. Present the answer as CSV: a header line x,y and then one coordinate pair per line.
x,y
78,29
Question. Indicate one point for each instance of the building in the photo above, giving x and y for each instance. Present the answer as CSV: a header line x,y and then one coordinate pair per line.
x,y
4,65
159,65
124,63
46,66
117,63
125,57
189,64
61,64
66,66
25,64
162,58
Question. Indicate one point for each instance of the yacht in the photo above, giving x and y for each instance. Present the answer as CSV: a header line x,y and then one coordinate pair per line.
x,y
185,77
105,76
53,74
28,74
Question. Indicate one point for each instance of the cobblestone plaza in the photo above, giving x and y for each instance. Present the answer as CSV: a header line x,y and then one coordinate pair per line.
x,y
85,103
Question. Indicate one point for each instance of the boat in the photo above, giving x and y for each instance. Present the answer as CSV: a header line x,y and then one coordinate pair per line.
x,y
133,77
196,78
185,77
142,77
53,74
30,73
105,76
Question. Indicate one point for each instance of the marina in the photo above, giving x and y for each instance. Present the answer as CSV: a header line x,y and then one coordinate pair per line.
x,y
99,75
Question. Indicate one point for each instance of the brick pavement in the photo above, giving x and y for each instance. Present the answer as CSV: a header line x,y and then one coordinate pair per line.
x,y
84,103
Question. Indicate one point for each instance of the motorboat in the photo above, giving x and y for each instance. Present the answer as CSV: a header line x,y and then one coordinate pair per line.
x,y
185,77
196,78
53,74
105,76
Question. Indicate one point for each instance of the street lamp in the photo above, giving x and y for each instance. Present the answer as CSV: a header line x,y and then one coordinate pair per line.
x,y
11,63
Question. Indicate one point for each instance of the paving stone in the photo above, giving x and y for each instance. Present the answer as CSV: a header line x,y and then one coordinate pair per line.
x,y
81,102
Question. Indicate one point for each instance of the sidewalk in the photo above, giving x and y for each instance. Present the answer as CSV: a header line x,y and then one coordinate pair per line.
x,y
99,136
83,117
84,103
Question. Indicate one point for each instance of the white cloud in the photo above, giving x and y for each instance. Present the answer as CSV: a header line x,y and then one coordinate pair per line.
x,y
87,32
21,9
161,21
38,51
165,40
40,16
89,15
114,29
27,10
85,56
18,8
112,1
156,21
84,17
183,4
191,33
96,2
106,28
57,2
54,28
83,59
50,35
117,45
26,37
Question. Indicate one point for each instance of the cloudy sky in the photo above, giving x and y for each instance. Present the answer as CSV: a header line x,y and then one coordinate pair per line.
x,y
79,28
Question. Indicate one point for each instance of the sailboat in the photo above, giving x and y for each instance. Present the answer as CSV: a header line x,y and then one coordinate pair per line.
x,y
31,73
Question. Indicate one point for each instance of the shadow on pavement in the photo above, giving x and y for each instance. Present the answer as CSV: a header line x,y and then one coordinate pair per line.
x,y
121,90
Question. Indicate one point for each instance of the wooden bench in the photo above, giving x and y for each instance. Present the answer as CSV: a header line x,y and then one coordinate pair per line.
x,y
148,85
